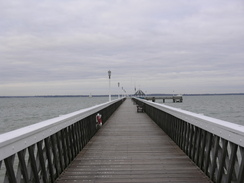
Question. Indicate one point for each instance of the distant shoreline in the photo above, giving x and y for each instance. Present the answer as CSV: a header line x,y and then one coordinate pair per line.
x,y
53,96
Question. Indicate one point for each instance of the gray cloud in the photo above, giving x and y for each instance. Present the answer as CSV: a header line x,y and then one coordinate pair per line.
x,y
67,47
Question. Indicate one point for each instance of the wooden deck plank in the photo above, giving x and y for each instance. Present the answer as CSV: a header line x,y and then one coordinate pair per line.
x,y
130,147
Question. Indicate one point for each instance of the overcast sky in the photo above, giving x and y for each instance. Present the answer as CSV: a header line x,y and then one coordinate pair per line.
x,y
54,47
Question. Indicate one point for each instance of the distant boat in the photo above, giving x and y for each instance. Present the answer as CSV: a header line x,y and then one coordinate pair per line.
x,y
90,95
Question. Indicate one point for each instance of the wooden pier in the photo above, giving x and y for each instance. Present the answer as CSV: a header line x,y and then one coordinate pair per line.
x,y
130,147
175,98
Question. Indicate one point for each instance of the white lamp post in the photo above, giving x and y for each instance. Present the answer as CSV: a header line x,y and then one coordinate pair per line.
x,y
109,76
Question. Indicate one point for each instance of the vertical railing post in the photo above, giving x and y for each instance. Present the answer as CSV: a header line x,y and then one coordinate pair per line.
x,y
50,165
202,148
21,156
190,147
42,161
64,145
67,142
222,160
181,134
184,136
60,150
187,138
232,162
79,136
33,163
199,131
177,131
214,157
55,155
241,170
10,171
208,148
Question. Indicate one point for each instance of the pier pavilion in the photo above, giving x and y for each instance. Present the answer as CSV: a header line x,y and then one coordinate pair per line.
x,y
163,144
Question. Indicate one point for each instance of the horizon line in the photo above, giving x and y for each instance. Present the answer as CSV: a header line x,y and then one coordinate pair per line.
x,y
105,95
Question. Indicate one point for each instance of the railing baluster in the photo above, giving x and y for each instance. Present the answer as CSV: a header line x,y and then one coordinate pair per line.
x,y
70,136
222,160
68,149
202,148
208,149
21,156
50,164
187,138
64,145
194,141
10,170
241,169
180,132
60,150
82,133
55,155
78,136
198,140
86,131
184,136
214,157
231,163
74,137
90,127
190,146
33,163
42,161
176,126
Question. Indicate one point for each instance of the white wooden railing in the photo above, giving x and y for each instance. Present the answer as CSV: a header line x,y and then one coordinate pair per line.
x,y
216,146
40,152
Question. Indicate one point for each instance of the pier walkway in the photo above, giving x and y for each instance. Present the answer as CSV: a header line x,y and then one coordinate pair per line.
x,y
130,147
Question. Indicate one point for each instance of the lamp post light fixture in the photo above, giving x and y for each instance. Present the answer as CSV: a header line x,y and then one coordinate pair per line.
x,y
109,77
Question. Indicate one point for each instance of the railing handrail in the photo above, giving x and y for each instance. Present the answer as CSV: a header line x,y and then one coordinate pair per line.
x,y
227,130
16,140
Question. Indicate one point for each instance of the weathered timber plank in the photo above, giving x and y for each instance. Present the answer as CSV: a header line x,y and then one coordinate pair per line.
x,y
130,147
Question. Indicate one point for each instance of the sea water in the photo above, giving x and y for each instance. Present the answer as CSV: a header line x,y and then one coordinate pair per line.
x,y
19,112
225,107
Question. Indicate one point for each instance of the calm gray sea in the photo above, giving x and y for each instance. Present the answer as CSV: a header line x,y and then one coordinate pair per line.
x,y
226,107
20,112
